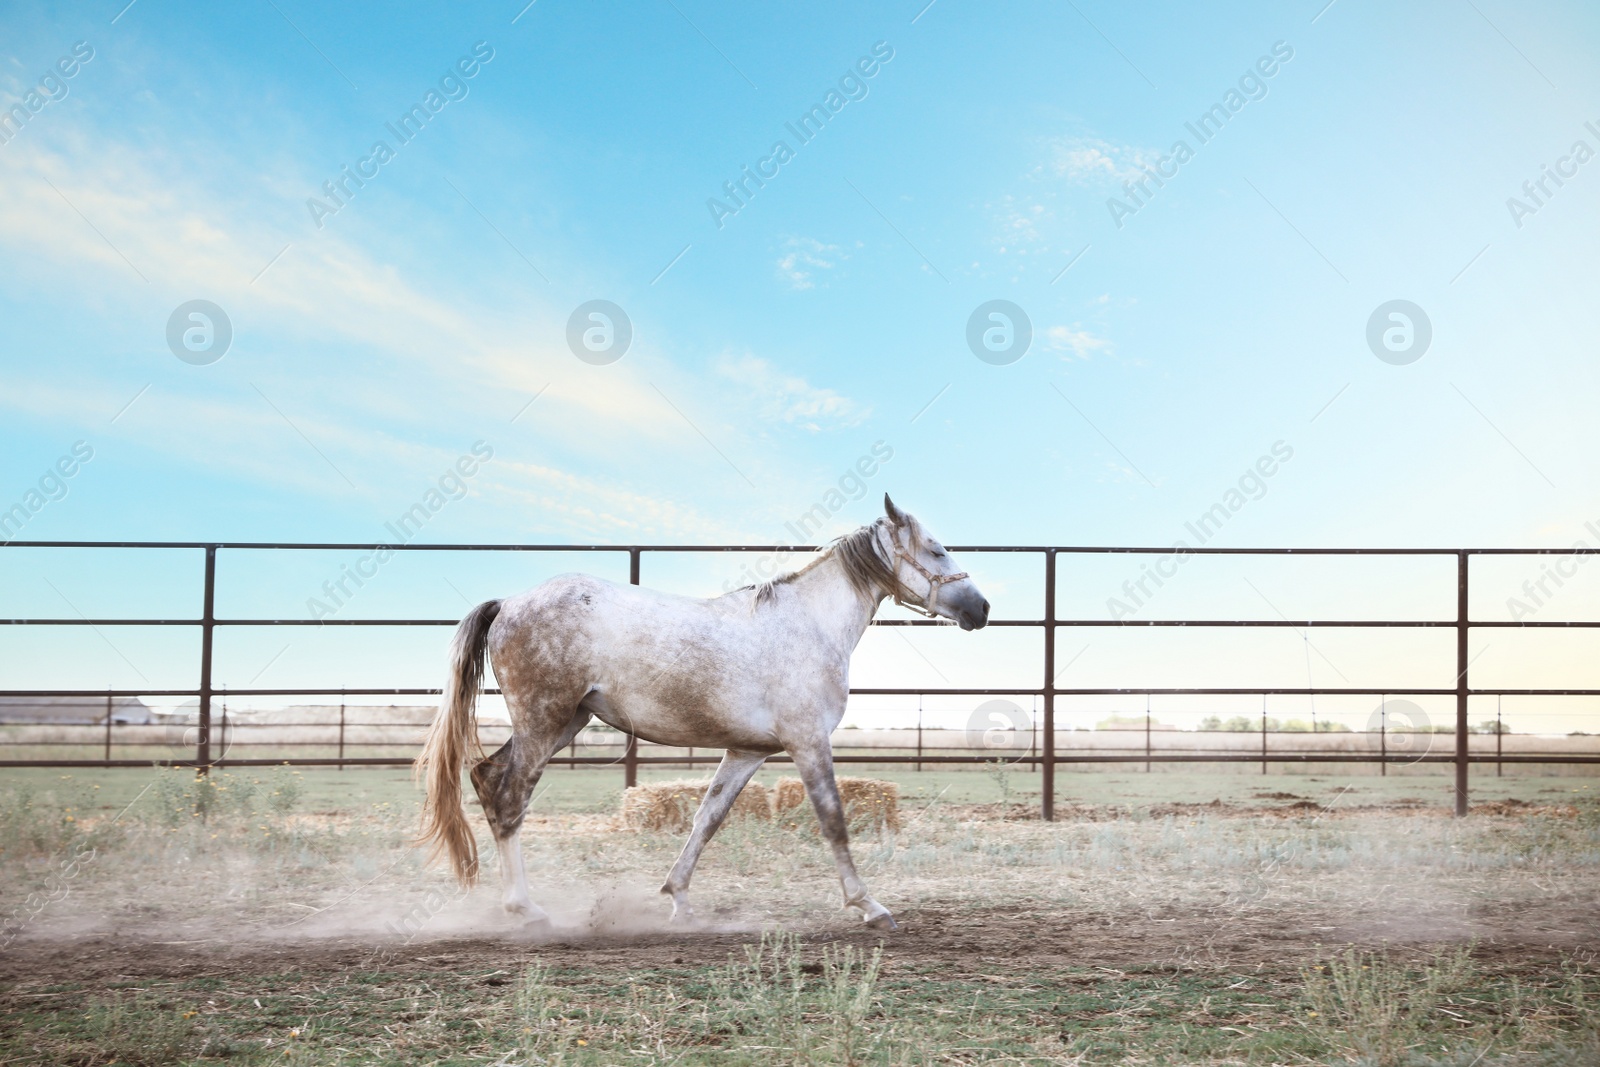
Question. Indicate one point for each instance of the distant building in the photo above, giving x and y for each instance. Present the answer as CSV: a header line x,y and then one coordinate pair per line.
x,y
69,711
313,714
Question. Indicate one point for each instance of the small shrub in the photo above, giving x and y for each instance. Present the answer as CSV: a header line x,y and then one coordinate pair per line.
x,y
850,980
796,1012
1367,1004
285,791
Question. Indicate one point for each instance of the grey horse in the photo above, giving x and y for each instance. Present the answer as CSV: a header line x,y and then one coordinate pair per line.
x,y
761,670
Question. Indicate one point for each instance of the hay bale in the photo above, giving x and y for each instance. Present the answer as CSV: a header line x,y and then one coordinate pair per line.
x,y
790,793
670,806
869,803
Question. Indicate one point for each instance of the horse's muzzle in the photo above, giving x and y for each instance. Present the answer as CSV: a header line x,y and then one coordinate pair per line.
x,y
969,619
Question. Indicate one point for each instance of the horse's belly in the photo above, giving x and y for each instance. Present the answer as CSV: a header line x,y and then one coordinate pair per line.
x,y
682,724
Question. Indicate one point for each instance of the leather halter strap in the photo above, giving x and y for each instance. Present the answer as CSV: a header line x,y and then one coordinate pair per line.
x,y
934,580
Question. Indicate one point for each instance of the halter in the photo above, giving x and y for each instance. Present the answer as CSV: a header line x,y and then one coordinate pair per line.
x,y
934,580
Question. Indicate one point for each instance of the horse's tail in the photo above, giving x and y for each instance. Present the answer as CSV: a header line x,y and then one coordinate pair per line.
x,y
454,731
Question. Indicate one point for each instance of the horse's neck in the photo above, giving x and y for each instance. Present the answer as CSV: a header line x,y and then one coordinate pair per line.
x,y
827,596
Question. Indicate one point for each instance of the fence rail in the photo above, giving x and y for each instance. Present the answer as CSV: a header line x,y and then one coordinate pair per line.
x,y
1043,753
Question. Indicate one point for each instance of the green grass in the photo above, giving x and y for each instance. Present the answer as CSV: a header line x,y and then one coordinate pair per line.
x,y
564,790
781,1002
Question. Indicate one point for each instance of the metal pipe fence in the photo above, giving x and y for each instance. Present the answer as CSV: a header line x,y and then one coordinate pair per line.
x,y
1044,753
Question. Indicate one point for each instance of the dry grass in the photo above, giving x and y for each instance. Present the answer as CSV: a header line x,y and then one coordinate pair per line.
x,y
1113,936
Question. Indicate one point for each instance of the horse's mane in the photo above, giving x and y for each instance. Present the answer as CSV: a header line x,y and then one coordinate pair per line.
x,y
857,552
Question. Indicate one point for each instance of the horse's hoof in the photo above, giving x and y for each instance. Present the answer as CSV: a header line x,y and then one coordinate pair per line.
x,y
530,915
884,922
535,926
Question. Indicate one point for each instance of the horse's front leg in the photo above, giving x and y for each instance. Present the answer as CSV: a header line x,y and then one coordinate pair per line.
x,y
733,774
814,760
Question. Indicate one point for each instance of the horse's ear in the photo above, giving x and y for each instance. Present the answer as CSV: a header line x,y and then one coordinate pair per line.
x,y
896,516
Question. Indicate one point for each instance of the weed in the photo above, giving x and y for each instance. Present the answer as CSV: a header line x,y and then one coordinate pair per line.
x,y
538,1016
285,792
134,1029
1368,1004
999,772
29,828
183,797
850,979
802,1013
762,996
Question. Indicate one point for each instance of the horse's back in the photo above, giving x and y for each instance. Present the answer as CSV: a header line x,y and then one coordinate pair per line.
x,y
577,622
673,667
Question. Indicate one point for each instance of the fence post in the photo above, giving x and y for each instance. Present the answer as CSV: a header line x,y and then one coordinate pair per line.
x,y
1047,757
1383,735
919,732
1499,732
1461,683
1263,733
108,727
630,753
208,622
341,729
1147,733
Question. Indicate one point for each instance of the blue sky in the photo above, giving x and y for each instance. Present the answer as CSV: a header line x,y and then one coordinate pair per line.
x,y
1227,314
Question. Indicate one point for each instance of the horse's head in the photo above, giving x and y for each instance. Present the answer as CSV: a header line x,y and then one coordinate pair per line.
x,y
926,579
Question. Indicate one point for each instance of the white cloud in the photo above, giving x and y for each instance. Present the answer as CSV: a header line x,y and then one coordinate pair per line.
x,y
561,503
1076,340
339,339
1035,221
188,239
804,256
789,397
1091,161
1019,221
381,364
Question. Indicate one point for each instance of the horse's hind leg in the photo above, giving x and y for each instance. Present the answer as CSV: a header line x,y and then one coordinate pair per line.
x,y
733,774
505,783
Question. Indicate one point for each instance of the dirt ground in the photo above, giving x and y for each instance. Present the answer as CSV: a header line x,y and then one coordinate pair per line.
x,y
968,938
962,943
